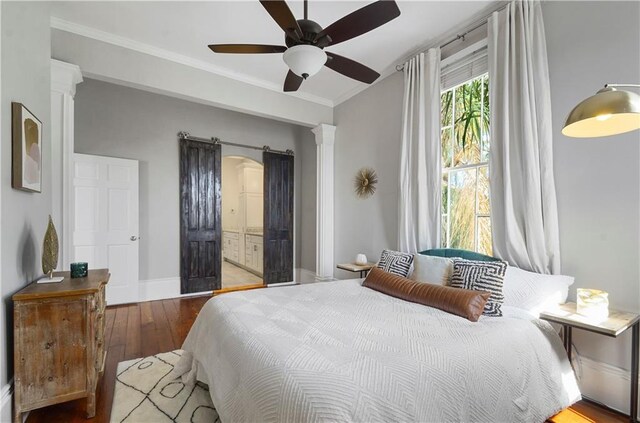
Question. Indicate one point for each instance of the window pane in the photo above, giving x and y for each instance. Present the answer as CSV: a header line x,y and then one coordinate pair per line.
x,y
485,120
445,196
468,123
445,209
465,140
462,208
483,190
446,147
446,108
445,228
484,236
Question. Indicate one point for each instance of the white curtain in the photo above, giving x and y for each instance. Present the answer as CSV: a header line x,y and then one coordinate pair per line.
x,y
420,167
524,214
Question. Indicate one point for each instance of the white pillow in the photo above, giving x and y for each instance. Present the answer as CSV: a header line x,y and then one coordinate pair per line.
x,y
432,269
534,292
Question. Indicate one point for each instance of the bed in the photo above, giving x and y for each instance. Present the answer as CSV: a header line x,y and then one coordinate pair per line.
x,y
338,351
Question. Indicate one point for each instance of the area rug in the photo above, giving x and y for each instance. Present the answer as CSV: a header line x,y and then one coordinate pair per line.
x,y
145,392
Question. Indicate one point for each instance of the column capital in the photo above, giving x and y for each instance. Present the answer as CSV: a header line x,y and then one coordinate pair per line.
x,y
65,77
325,134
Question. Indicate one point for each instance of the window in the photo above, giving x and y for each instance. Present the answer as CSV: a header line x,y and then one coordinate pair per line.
x,y
465,140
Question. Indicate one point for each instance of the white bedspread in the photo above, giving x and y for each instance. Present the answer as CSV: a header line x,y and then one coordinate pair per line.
x,y
337,351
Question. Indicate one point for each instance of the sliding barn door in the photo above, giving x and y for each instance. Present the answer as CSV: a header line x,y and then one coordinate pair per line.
x,y
200,224
278,218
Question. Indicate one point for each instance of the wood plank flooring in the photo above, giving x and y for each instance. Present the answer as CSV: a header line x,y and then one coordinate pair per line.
x,y
143,329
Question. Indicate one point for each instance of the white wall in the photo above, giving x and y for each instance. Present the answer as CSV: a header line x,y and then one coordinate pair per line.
x,y
598,181
25,79
113,120
367,134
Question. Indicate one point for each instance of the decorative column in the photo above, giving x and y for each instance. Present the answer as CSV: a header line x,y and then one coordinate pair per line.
x,y
325,139
64,78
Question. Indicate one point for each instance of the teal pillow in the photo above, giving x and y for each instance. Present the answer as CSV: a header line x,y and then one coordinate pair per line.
x,y
458,253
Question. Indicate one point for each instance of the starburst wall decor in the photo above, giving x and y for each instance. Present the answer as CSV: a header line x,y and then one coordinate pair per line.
x,y
365,182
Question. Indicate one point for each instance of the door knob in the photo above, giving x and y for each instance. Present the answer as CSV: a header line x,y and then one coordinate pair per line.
x,y
133,238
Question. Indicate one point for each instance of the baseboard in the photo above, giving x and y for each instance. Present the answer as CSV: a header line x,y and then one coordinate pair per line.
x,y
162,289
6,401
604,383
305,276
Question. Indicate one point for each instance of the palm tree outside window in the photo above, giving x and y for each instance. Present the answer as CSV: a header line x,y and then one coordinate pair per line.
x,y
464,116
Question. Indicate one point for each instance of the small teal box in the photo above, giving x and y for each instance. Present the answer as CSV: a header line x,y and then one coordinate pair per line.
x,y
79,270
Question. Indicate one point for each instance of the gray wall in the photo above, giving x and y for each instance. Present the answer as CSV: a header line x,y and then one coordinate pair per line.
x,y
368,134
307,205
26,50
117,121
597,180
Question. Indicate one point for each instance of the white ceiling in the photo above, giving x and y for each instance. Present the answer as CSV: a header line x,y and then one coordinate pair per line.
x,y
186,28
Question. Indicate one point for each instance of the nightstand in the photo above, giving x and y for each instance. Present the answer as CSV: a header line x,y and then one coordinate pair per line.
x,y
617,323
362,268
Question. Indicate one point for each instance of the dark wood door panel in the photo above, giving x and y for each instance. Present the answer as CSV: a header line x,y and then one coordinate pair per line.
x,y
200,214
278,217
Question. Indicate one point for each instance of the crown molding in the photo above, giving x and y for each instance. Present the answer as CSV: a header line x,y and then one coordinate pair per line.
x,y
124,42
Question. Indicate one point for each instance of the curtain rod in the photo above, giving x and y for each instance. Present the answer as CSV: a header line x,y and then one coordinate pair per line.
x,y
483,22
215,140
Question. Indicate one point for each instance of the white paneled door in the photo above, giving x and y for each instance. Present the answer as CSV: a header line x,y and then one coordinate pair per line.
x,y
105,221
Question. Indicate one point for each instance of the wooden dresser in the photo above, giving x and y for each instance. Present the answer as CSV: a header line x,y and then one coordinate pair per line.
x,y
59,341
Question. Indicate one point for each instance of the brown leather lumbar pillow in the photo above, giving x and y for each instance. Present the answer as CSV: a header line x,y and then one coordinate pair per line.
x,y
461,302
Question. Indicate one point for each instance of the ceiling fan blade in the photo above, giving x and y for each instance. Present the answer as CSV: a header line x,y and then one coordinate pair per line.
x,y
361,21
292,82
351,68
281,13
246,48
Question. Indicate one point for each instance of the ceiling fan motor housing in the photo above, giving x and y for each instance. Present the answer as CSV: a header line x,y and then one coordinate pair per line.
x,y
310,31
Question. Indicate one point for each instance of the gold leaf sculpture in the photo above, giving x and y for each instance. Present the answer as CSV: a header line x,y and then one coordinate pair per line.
x,y
50,249
365,182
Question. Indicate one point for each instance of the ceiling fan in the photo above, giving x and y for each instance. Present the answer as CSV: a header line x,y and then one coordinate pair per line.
x,y
305,41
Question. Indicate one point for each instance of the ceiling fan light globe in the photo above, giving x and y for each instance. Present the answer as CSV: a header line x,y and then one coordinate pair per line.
x,y
305,60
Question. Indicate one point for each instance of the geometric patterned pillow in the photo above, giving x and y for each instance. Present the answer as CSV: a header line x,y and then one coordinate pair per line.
x,y
396,262
481,276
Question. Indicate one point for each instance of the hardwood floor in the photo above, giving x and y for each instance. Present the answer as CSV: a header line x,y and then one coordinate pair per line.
x,y
143,329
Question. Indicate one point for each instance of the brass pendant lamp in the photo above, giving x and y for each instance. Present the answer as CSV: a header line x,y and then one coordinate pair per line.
x,y
609,112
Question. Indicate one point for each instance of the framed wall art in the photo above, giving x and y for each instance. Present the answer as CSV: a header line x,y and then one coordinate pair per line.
x,y
26,163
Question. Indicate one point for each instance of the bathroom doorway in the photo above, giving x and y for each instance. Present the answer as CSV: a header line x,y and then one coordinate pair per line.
x,y
242,222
